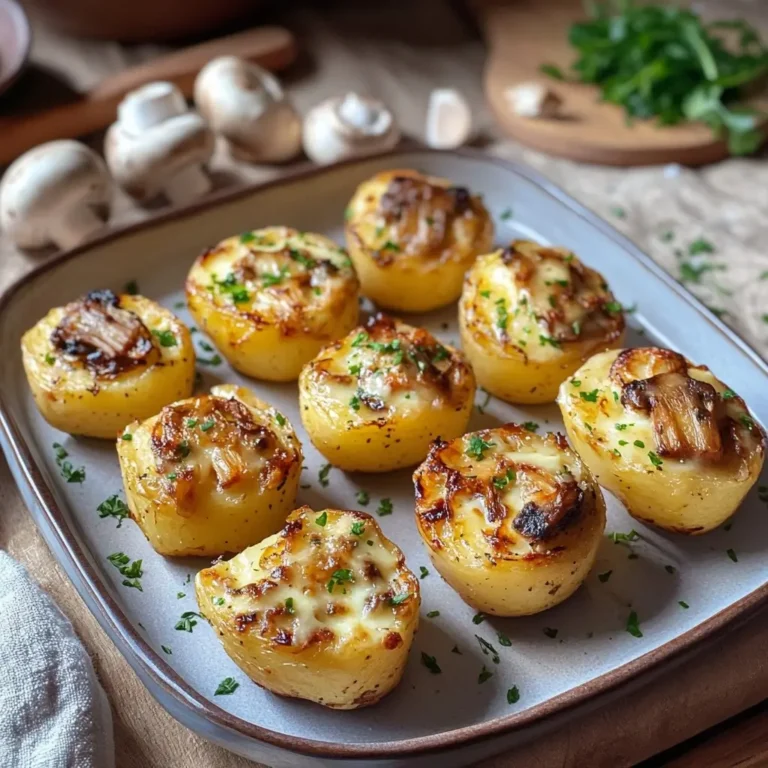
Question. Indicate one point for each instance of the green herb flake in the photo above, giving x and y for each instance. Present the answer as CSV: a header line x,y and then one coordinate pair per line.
x,y
340,577
746,421
732,555
166,338
207,425
728,394
613,307
358,528
384,508
590,397
322,475
550,632
363,497
619,212
227,686
548,341
49,358
361,337
502,481
639,444
430,662
683,604
166,650
513,695
530,426
180,595
485,294
655,460
633,625
603,577
478,618
624,538
322,520
700,245
187,621
477,447
502,314
218,600
433,614
485,674
424,572
289,607
506,214
131,288
114,507
127,436
504,640
552,71
212,361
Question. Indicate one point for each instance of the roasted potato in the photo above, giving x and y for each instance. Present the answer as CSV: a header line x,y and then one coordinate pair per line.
x,y
530,316
325,610
669,439
373,401
211,474
412,238
272,298
512,520
104,360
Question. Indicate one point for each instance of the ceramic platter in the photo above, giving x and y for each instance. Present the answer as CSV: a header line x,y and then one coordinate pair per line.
x,y
573,654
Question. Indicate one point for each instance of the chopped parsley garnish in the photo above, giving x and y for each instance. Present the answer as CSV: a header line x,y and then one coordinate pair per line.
x,y
390,246
485,674
700,245
230,287
127,436
213,361
633,625
218,600
612,307
131,570
732,555
359,339
504,640
548,340
355,369
670,569
433,614
322,475
576,327
247,237
456,650
187,621
363,497
667,236
384,508
746,421
485,294
622,427
513,695
478,618
683,604
590,397
321,520
655,460
354,402
183,449
618,212
639,444
398,599
342,576
502,315
488,649
728,394
575,382
166,650
114,507
424,572
530,426
603,577
358,528
180,595
477,447
207,425
49,358
131,288
166,338
624,538
502,481
301,258
441,353
506,214
68,472
550,632
289,605
430,662
226,686
268,279
280,419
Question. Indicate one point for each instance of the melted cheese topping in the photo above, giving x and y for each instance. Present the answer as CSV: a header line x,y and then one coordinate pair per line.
x,y
593,400
228,444
402,215
482,494
328,578
277,275
389,368
536,301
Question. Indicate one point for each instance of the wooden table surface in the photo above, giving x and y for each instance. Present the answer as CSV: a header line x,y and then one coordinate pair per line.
x,y
399,57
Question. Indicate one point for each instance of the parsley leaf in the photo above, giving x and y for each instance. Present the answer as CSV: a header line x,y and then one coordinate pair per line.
x,y
384,508
513,695
477,447
114,507
226,686
633,625
166,338
187,621
430,662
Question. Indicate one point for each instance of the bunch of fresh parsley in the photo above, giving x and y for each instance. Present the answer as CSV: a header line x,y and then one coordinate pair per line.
x,y
665,62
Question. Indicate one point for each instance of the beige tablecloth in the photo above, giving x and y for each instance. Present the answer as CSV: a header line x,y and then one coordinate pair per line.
x,y
381,51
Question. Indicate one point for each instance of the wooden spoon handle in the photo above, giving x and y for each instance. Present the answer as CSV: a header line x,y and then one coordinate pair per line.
x,y
272,47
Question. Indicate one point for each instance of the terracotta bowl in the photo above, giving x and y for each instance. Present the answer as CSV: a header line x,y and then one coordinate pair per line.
x,y
15,40
141,20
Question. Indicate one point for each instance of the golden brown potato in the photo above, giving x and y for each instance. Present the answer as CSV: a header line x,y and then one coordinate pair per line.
x,y
512,521
272,298
667,437
104,360
530,316
412,238
373,401
325,610
211,474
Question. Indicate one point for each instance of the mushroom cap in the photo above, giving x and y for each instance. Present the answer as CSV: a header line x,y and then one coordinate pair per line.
x,y
349,126
47,182
247,106
146,149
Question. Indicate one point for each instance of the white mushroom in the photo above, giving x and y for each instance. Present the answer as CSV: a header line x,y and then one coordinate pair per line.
x,y
246,105
348,126
58,193
157,146
449,119
533,100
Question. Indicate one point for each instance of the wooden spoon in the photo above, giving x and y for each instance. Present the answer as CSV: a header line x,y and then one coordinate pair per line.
x,y
272,47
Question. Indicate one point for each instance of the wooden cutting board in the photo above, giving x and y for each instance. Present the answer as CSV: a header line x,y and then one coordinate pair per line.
x,y
523,34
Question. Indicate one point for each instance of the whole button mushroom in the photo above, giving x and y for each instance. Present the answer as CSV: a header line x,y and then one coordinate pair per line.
x,y
59,193
246,106
157,146
348,126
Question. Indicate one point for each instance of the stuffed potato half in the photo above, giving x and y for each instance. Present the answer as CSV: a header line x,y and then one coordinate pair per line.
x,y
325,610
511,520
272,298
373,401
675,444
211,474
412,238
529,317
104,360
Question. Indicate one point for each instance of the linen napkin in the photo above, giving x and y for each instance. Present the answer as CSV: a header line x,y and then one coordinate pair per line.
x,y
53,712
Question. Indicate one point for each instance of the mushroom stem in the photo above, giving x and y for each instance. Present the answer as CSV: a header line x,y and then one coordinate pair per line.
x,y
186,185
74,227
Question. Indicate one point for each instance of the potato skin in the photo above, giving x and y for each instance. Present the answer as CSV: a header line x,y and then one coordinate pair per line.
x,y
98,401
529,316
511,520
373,401
211,474
272,298
412,238
688,496
295,629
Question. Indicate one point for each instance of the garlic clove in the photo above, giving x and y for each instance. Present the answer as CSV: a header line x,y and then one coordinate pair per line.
x,y
449,119
533,100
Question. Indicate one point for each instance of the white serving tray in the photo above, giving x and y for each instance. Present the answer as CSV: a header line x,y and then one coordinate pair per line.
x,y
451,713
